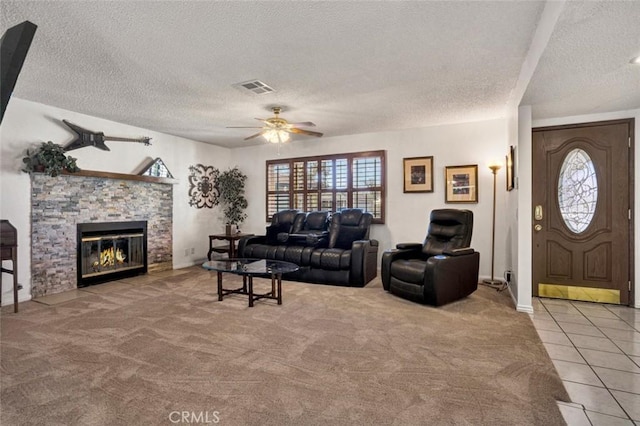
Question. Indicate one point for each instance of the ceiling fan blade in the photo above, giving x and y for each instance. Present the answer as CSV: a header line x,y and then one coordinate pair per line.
x,y
303,123
267,122
304,132
254,136
242,127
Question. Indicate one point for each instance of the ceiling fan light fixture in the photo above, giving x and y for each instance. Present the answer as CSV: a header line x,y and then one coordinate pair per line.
x,y
276,136
277,130
635,61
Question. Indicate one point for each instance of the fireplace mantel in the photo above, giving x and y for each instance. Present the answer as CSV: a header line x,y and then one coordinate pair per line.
x,y
124,176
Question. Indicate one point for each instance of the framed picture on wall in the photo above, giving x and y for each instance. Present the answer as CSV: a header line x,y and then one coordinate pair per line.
x,y
418,174
510,169
461,184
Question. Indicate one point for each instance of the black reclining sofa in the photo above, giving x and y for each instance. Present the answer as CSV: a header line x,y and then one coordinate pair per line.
x,y
329,249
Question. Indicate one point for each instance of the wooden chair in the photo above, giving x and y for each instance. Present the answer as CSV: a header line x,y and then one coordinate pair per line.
x,y
9,251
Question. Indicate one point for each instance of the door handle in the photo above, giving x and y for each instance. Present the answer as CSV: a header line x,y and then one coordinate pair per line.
x,y
537,213
538,228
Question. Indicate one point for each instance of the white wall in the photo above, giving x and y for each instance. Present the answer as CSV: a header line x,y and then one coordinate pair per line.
x,y
523,272
511,206
406,214
27,124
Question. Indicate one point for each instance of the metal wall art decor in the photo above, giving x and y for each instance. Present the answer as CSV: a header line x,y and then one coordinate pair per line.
x,y
462,184
203,186
88,138
418,174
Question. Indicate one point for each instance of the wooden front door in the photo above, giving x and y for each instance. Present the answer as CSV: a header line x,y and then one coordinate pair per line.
x,y
582,239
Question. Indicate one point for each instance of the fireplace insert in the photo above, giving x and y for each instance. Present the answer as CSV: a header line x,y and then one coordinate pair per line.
x,y
110,251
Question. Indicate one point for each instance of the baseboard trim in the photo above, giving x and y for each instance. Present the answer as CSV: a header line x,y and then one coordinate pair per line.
x,y
525,308
188,264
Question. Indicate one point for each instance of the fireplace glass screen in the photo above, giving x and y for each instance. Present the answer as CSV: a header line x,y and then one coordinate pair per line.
x,y
110,253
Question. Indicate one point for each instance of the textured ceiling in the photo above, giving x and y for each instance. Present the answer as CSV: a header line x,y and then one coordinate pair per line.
x,y
350,67
585,67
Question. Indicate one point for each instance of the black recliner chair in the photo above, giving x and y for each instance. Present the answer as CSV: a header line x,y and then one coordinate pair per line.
x,y
442,269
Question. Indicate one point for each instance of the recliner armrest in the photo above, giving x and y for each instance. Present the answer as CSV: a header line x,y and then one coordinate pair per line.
x,y
317,239
411,246
364,260
282,237
256,239
449,278
305,238
271,236
459,251
389,256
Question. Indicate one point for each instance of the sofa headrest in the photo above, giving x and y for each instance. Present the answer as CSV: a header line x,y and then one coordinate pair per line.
x,y
316,221
351,217
284,217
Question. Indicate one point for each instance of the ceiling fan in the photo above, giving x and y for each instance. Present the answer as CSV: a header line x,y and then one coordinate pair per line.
x,y
277,130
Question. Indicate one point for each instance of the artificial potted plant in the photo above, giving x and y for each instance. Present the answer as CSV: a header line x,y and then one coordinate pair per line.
x,y
231,189
49,158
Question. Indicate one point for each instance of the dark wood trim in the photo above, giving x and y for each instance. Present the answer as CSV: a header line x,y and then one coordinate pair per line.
x,y
123,176
632,290
590,124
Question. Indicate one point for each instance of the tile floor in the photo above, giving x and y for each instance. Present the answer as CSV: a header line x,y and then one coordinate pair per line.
x,y
596,351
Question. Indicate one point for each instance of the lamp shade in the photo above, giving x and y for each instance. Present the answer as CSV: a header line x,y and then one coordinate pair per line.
x,y
276,136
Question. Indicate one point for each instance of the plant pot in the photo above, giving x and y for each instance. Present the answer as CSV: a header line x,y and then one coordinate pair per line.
x,y
231,229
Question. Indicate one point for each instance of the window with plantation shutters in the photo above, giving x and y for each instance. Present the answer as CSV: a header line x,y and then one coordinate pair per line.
x,y
278,187
329,182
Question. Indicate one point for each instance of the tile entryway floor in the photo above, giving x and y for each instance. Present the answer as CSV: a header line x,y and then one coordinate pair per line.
x,y
596,351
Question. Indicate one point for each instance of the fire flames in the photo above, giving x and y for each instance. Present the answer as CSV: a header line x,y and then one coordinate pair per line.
x,y
110,257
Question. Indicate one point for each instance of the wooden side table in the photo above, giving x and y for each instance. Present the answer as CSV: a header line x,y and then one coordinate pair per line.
x,y
229,247
9,251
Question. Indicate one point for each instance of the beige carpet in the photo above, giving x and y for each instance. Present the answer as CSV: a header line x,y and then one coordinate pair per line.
x,y
136,351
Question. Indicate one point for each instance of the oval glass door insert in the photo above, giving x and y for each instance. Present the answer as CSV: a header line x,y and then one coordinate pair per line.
x,y
577,190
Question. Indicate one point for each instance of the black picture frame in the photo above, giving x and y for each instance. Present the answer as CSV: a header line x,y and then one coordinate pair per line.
x,y
510,168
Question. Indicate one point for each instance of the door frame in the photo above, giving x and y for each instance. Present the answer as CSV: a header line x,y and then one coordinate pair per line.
x,y
630,122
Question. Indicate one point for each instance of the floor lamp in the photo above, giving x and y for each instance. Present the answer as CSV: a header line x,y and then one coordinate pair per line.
x,y
494,169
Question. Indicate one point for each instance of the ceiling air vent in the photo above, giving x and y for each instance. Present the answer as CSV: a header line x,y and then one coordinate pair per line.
x,y
254,86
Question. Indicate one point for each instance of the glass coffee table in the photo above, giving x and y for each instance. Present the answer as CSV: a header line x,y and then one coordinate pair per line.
x,y
249,268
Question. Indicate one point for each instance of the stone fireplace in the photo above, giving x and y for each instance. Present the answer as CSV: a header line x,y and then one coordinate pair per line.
x,y
59,204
